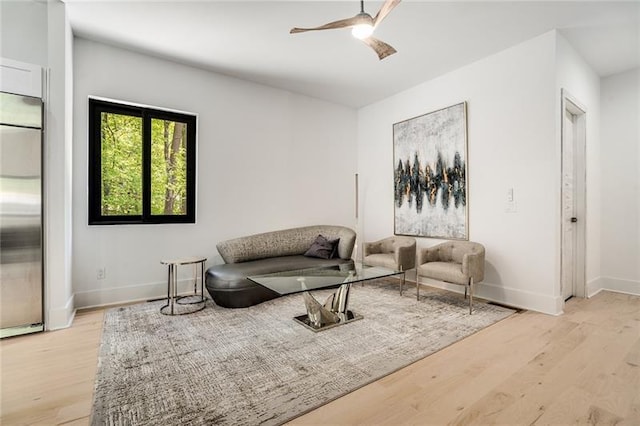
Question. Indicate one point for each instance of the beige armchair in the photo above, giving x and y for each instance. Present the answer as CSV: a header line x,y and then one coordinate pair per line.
x,y
394,252
456,262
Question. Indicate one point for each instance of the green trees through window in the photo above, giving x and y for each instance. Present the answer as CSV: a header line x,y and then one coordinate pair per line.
x,y
142,167
121,165
168,167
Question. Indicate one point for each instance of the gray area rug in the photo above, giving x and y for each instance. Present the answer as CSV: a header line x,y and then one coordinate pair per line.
x,y
256,365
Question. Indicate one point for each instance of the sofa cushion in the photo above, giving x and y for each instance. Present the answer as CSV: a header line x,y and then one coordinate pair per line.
x,y
233,275
323,248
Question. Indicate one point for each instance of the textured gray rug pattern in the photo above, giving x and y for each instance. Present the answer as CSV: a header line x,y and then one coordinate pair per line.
x,y
256,365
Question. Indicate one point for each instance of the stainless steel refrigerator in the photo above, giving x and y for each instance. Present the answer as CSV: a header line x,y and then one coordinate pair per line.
x,y
21,252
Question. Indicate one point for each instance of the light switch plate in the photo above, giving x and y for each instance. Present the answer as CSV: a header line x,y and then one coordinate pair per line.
x,y
510,195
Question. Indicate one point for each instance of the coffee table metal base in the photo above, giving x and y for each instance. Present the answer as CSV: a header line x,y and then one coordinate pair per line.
x,y
304,320
333,312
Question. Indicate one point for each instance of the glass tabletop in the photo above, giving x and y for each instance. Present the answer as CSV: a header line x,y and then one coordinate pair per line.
x,y
300,280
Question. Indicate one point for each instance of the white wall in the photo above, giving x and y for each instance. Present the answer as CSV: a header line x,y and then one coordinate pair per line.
x,y
583,84
511,143
620,160
24,31
267,159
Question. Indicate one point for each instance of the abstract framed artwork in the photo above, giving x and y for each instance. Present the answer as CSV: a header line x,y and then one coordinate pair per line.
x,y
430,174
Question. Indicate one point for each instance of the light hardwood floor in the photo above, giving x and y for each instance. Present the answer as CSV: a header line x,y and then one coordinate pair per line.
x,y
579,368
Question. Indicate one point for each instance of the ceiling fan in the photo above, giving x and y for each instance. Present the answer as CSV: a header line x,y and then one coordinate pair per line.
x,y
362,26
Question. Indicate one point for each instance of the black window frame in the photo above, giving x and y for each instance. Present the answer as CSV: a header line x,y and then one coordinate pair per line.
x,y
96,107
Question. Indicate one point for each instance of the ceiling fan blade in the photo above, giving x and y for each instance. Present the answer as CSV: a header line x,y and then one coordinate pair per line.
x,y
384,11
343,23
382,49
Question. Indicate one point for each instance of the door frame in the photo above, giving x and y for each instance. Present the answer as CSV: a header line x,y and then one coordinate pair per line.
x,y
576,108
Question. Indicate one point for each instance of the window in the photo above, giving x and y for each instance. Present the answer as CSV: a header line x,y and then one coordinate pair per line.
x,y
142,164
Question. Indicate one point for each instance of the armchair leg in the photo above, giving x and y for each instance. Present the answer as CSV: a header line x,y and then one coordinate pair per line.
x,y
402,279
417,287
470,295
465,291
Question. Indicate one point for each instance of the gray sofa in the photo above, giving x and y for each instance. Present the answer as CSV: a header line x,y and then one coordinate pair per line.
x,y
265,253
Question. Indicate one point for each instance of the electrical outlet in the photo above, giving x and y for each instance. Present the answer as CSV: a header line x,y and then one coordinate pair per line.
x,y
102,273
511,207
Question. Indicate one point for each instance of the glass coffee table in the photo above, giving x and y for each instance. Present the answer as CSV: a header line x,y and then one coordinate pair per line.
x,y
335,310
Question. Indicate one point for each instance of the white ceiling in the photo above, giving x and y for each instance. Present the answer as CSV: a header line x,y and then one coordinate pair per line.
x,y
251,40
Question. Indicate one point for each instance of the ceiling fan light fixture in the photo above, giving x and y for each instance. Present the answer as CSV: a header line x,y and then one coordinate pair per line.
x,y
362,26
362,31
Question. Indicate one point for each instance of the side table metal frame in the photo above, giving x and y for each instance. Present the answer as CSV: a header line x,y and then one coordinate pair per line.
x,y
172,286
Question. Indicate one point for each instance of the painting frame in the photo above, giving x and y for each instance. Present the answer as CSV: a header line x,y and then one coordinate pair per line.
x,y
432,199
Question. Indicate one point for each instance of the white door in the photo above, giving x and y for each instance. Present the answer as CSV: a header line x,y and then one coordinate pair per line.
x,y
569,218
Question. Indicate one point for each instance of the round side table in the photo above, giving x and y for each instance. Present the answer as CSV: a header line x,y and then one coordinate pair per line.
x,y
197,300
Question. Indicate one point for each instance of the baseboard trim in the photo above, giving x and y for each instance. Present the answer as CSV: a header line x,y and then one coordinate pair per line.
x,y
594,286
620,285
617,285
62,317
137,293
517,298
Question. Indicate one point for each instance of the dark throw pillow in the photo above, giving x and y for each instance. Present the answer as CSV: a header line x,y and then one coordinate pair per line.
x,y
323,248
